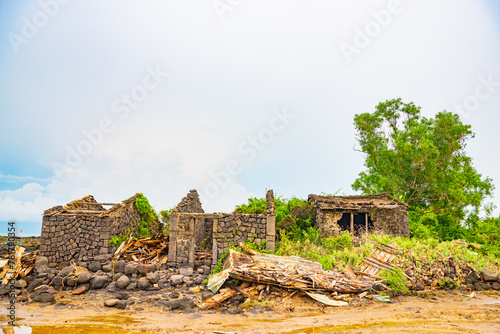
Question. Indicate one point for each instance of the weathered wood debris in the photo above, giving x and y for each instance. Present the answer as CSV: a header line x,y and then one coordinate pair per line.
x,y
23,264
144,250
287,272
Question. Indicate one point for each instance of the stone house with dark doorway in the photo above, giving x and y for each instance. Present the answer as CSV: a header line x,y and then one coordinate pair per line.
x,y
360,214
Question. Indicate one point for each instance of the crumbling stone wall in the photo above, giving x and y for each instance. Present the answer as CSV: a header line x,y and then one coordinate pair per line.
x,y
84,236
391,221
327,222
192,230
232,229
387,214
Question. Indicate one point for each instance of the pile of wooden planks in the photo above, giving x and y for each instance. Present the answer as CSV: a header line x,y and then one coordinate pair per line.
x,y
289,272
380,258
23,264
144,250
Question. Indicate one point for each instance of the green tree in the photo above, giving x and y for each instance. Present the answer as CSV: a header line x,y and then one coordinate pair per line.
x,y
421,161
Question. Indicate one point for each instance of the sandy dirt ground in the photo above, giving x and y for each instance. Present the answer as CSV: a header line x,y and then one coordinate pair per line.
x,y
442,312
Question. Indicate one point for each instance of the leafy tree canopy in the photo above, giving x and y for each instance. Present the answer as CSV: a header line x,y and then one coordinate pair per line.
x,y
421,161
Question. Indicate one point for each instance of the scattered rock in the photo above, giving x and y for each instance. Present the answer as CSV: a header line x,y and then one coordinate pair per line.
x,y
94,267
186,271
120,266
180,304
198,279
66,271
123,282
176,280
146,268
45,298
236,300
122,296
175,294
488,275
99,282
122,304
478,286
207,294
41,262
111,287
143,283
34,284
111,302
107,268
200,271
21,284
132,286
419,287
234,310
84,277
153,278
130,269
495,286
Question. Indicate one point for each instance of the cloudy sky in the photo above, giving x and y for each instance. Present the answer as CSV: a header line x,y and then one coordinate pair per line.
x,y
231,97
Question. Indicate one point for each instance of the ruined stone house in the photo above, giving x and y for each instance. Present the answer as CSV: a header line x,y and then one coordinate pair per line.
x,y
81,229
360,214
192,230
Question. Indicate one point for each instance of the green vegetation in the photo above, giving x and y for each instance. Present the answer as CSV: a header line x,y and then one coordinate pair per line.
x,y
395,280
149,218
422,161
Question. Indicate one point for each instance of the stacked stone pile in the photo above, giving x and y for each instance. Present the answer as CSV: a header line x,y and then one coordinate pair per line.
x,y
120,277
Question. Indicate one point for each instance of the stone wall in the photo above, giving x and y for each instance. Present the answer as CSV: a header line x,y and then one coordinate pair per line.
x,y
231,229
192,230
389,221
326,220
84,236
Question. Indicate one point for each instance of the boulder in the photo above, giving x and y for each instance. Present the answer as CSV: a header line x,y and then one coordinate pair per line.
x,y
180,304
122,296
122,304
130,269
188,271
99,282
34,284
234,310
153,278
488,275
111,287
120,266
132,286
66,271
94,267
44,298
146,268
495,286
111,302
21,284
107,268
41,262
84,277
176,280
143,283
123,282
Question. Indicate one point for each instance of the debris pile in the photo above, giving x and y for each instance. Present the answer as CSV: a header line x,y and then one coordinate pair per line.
x,y
23,264
280,274
144,250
